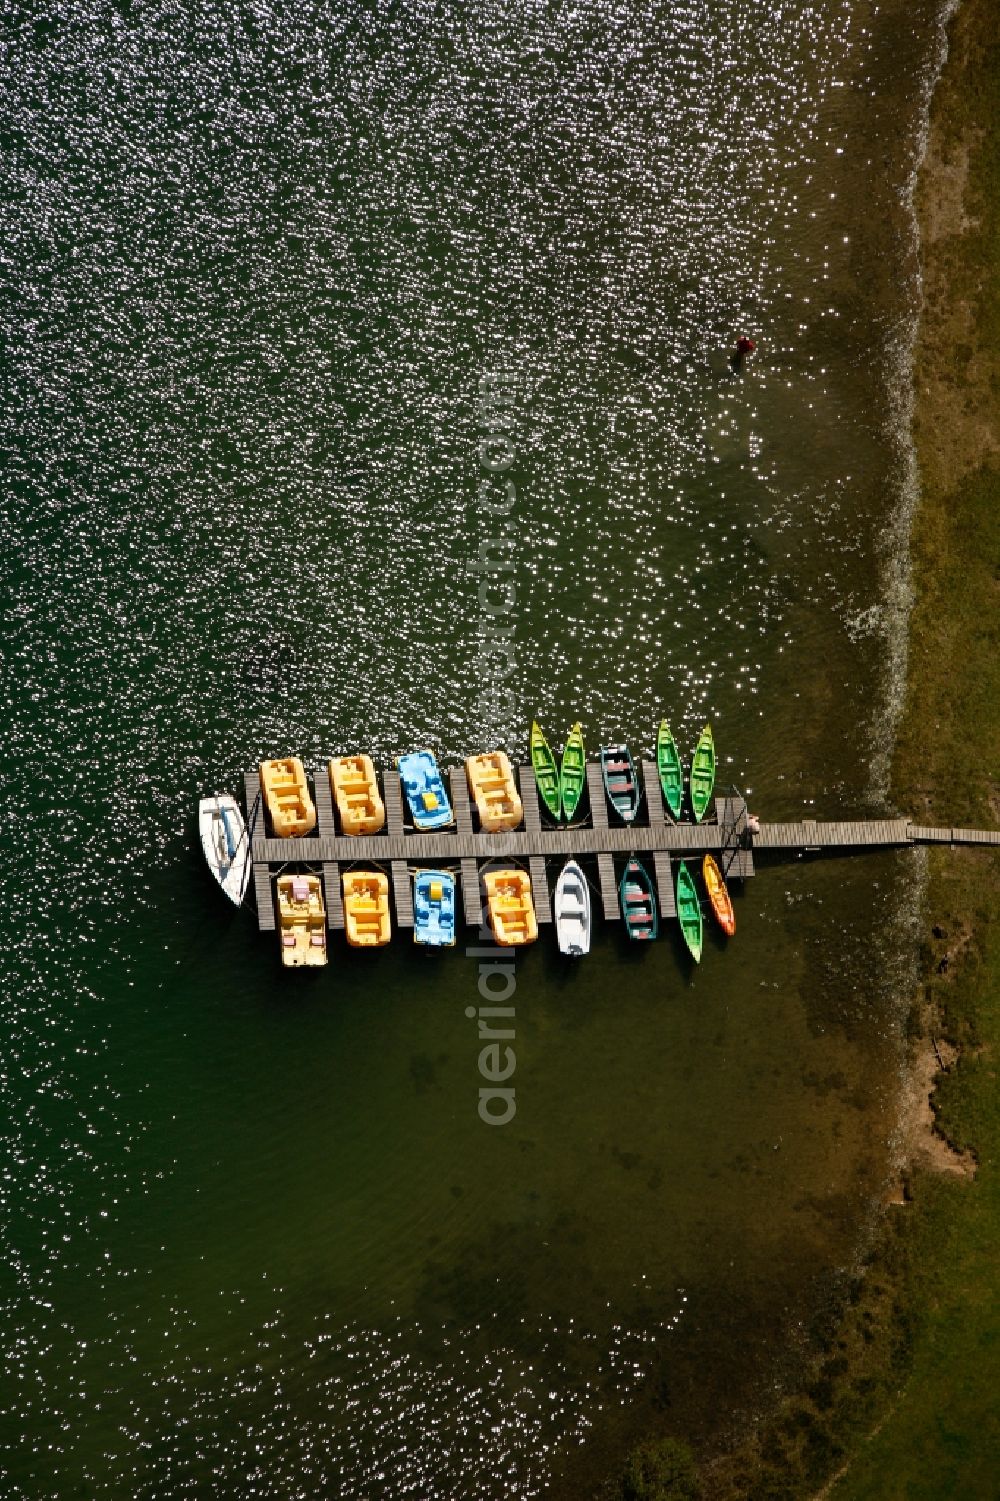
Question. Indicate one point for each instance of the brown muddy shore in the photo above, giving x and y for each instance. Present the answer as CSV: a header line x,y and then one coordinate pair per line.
x,y
911,1337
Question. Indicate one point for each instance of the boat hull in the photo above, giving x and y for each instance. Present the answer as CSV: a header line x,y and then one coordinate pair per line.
x,y
286,792
434,909
225,844
546,771
718,895
494,791
354,785
425,795
571,911
689,911
638,903
572,772
301,922
618,771
671,773
511,909
702,779
366,909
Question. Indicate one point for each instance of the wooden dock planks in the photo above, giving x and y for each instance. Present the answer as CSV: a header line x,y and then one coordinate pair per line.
x,y
809,834
472,894
654,793
323,798
738,864
540,888
265,898
529,799
402,894
598,798
609,887
731,815
447,847
459,784
255,810
333,893
462,847
392,796
665,885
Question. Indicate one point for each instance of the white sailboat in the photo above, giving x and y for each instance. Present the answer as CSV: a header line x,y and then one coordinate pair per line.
x,y
226,843
571,910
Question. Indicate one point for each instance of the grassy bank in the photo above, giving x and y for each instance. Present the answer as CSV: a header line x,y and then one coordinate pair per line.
x,y
902,1399
938,1434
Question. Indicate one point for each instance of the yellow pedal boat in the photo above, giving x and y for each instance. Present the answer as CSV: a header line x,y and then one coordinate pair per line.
x,y
366,908
301,921
512,912
286,793
491,782
355,790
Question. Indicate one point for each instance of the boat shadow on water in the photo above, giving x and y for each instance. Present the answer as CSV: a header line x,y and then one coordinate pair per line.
x,y
714,936
670,942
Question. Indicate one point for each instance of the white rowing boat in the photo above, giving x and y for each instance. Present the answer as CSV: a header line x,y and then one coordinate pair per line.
x,y
571,911
225,843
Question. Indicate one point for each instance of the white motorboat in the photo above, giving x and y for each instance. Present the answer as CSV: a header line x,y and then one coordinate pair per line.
x,y
571,910
226,843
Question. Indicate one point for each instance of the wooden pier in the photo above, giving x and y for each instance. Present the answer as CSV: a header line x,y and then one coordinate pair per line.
x,y
733,838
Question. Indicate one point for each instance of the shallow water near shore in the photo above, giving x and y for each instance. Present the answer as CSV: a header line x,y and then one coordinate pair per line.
x,y
256,1237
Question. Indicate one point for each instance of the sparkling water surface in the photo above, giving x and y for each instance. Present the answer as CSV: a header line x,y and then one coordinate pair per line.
x,y
256,266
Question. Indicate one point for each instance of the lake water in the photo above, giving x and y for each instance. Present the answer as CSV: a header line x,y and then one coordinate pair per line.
x,y
256,1239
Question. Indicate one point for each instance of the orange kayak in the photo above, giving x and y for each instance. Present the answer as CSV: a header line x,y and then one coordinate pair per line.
x,y
719,896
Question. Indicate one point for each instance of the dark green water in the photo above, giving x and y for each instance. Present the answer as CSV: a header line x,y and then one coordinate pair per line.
x,y
256,1239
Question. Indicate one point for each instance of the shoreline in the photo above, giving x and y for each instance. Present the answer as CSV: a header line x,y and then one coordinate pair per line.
x,y
924,1286
956,423
912,1334
951,1121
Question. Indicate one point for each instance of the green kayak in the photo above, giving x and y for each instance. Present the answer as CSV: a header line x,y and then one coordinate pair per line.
x,y
689,911
546,770
702,774
668,764
573,772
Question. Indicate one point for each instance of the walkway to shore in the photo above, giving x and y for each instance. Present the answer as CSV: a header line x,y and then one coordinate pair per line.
x,y
734,838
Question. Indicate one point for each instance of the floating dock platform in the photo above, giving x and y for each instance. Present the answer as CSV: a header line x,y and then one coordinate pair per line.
x,y
734,837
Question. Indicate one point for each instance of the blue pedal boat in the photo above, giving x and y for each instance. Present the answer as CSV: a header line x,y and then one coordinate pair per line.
x,y
434,909
424,788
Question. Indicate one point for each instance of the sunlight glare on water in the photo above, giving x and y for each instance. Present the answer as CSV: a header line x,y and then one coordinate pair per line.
x,y
255,1238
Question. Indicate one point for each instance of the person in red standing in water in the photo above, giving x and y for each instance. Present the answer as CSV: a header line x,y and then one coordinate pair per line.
x,y
738,358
